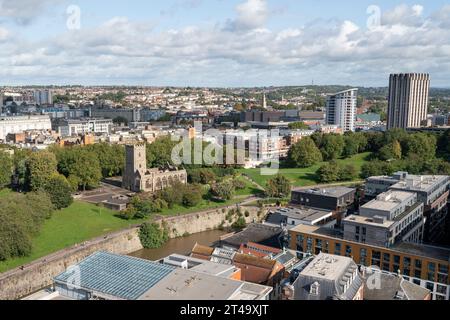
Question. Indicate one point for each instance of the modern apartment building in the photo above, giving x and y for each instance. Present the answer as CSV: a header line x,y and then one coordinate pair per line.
x,y
392,217
432,191
341,109
408,100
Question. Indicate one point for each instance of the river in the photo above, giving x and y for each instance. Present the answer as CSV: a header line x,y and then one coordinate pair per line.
x,y
182,245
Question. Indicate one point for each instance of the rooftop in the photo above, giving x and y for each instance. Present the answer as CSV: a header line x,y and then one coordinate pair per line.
x,y
393,287
388,201
330,192
256,232
369,221
326,266
184,284
114,275
420,183
309,215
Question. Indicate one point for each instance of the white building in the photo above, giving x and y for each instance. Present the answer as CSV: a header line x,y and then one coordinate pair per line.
x,y
18,124
341,109
70,128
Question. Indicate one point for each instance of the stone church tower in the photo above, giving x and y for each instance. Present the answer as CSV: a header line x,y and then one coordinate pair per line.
x,y
135,164
136,177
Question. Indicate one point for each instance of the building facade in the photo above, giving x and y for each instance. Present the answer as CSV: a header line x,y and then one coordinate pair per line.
x,y
137,177
392,217
341,109
75,127
408,100
430,264
18,124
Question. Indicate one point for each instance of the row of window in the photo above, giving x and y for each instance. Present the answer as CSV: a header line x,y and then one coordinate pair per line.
x,y
382,260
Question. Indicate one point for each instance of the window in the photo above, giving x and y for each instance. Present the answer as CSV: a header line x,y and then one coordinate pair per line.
x,y
309,243
376,258
418,264
386,257
363,256
357,229
406,266
337,249
441,289
348,251
431,271
300,239
364,230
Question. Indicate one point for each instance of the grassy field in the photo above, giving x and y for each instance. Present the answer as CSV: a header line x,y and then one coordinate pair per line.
x,y
5,192
303,176
77,223
83,221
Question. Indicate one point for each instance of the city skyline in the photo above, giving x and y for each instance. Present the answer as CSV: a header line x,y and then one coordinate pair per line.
x,y
246,43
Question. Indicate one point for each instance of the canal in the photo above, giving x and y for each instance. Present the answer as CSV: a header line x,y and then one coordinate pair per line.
x,y
182,245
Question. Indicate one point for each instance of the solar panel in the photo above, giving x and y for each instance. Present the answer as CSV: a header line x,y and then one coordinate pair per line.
x,y
114,275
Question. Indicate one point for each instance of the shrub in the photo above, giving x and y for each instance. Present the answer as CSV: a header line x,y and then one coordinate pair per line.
x,y
152,236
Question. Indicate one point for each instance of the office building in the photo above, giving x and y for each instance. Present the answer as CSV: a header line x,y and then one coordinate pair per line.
x,y
341,109
408,100
392,217
19,124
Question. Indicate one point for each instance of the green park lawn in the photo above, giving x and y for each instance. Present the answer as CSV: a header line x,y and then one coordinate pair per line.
x,y
301,177
75,224
83,221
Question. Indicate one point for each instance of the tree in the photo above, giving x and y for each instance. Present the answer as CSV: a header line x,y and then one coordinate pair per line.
x,y
6,166
41,166
348,173
21,218
329,172
376,168
421,144
152,236
355,142
111,158
80,165
397,149
304,153
159,153
278,187
332,146
192,197
223,190
298,126
59,191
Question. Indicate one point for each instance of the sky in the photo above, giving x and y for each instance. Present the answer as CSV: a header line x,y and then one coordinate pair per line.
x,y
222,43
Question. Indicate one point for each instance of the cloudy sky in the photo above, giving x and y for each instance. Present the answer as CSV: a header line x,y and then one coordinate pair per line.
x,y
222,42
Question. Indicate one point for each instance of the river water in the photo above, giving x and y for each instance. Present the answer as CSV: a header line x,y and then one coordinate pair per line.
x,y
182,245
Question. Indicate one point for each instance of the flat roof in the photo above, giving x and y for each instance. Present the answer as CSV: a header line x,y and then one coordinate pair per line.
x,y
202,266
114,275
369,221
389,200
328,267
420,183
305,214
184,284
330,192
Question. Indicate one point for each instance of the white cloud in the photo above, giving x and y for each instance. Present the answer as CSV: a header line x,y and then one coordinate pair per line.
x,y
121,51
24,11
251,14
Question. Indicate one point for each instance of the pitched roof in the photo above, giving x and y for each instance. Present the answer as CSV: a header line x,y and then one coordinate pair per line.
x,y
202,250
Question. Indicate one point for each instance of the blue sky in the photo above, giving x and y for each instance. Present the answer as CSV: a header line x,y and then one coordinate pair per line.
x,y
222,42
